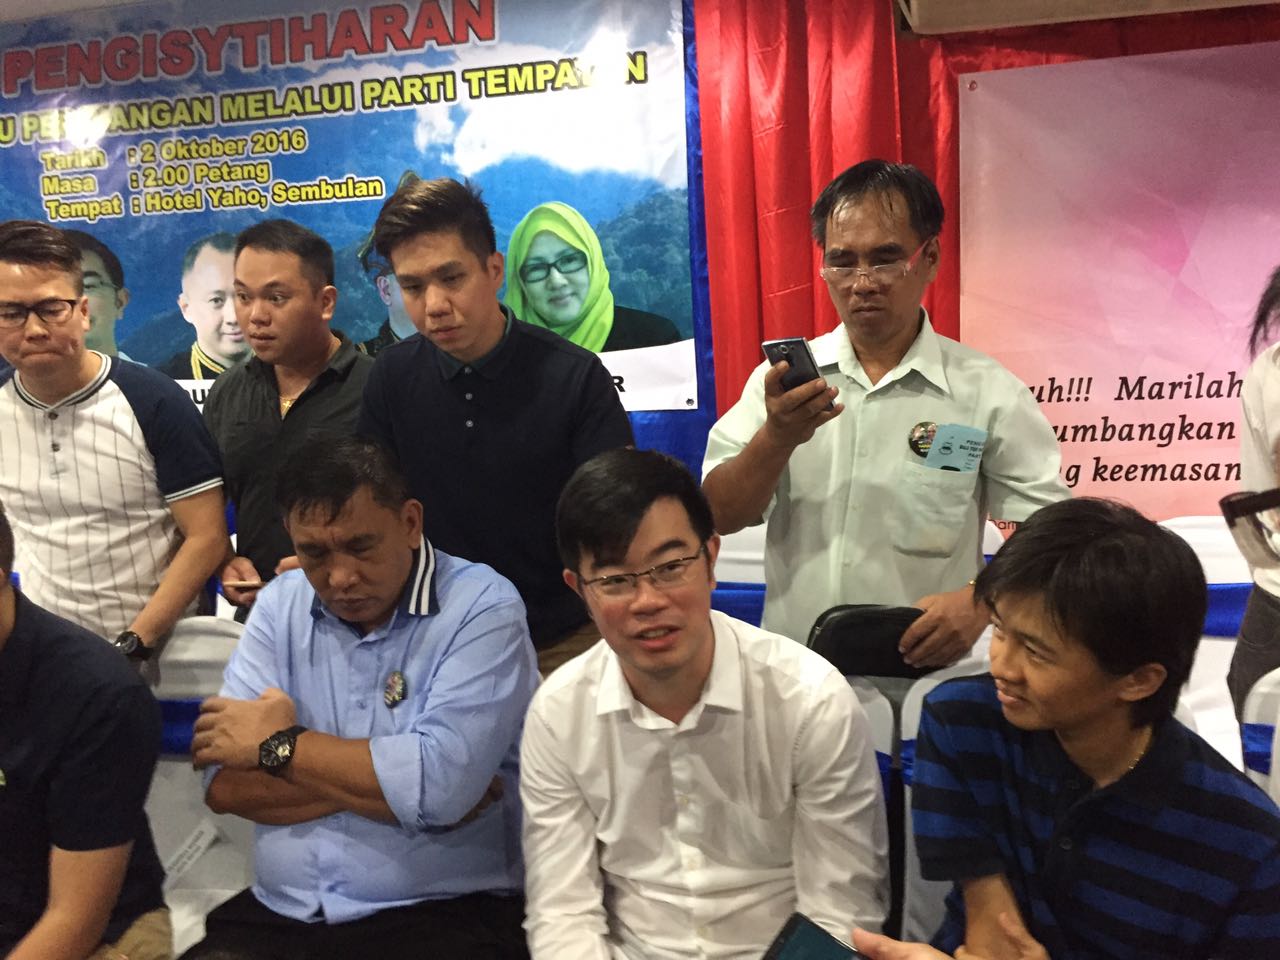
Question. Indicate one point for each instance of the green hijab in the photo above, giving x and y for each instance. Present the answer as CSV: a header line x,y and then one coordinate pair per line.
x,y
590,329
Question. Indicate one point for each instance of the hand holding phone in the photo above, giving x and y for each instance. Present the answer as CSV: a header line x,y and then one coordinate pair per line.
x,y
795,351
801,367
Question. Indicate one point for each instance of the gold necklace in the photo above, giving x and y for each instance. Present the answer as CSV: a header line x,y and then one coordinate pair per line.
x,y
1146,745
286,403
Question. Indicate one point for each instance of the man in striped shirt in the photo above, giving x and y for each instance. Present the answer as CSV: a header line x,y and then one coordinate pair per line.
x,y
1061,792
111,480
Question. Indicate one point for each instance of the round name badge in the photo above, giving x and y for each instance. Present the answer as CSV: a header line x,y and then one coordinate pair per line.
x,y
920,439
395,690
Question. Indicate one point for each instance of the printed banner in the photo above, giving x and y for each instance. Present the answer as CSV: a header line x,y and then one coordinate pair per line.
x,y
1119,221
158,131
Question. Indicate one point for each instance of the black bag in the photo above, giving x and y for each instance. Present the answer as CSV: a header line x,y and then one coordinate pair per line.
x,y
861,640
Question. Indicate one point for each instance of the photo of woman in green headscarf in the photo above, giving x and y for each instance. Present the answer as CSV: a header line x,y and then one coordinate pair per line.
x,y
556,278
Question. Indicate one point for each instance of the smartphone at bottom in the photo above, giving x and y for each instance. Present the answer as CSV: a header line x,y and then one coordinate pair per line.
x,y
802,939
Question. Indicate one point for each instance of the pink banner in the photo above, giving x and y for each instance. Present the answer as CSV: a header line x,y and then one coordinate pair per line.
x,y
1119,220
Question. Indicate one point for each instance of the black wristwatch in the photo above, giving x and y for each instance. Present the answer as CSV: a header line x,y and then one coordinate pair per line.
x,y
275,752
131,645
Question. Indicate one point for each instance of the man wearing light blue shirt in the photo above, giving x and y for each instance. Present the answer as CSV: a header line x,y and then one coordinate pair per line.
x,y
369,723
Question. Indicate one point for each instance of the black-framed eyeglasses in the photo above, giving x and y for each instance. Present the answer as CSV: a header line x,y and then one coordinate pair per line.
x,y
1254,522
881,274
54,310
570,262
663,576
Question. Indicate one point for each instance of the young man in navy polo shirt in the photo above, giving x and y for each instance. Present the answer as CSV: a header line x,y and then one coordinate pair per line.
x,y
488,416
79,737
1060,791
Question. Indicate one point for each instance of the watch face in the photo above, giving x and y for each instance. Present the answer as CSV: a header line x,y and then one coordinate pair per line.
x,y
127,642
276,751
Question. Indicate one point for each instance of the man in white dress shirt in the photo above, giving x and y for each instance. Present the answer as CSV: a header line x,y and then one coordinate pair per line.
x,y
691,780
881,498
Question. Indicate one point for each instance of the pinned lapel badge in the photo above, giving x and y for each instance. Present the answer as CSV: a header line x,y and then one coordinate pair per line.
x,y
920,439
394,692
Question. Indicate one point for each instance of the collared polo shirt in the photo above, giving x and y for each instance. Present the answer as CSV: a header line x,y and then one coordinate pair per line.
x,y
649,838
243,414
458,643
857,517
488,450
1179,859
88,484
79,739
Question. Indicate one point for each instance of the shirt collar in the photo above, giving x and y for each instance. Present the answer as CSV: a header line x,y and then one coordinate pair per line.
x,y
1147,783
452,366
923,356
723,688
342,360
88,390
418,597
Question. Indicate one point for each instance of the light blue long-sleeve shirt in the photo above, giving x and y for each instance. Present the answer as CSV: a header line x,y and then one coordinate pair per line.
x,y
460,640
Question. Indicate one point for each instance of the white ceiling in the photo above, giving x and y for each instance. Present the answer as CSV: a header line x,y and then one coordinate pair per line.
x,y
18,10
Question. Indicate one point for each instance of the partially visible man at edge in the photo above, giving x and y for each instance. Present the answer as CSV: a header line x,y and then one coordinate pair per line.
x,y
79,738
489,416
303,377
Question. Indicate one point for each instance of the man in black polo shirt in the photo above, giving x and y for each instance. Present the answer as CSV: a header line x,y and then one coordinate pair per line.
x,y
302,377
79,737
489,416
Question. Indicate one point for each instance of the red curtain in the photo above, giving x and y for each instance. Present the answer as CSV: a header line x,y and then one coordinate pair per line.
x,y
792,93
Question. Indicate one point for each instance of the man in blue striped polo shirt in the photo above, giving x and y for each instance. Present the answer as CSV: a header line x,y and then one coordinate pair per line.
x,y
1061,792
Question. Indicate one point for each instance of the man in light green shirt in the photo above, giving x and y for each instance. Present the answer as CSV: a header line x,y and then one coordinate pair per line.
x,y
881,496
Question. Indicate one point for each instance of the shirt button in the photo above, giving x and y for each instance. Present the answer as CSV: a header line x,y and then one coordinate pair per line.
x,y
470,395
682,800
362,704
53,415
471,423
466,369
57,447
1065,843
702,932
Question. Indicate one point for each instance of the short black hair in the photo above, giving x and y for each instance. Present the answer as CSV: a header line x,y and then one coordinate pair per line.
x,y
88,243
1267,315
605,500
221,241
327,469
35,244
6,545
435,206
285,236
1126,588
883,179
370,260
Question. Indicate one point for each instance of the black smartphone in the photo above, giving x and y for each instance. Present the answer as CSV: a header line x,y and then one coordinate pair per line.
x,y
802,939
801,367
